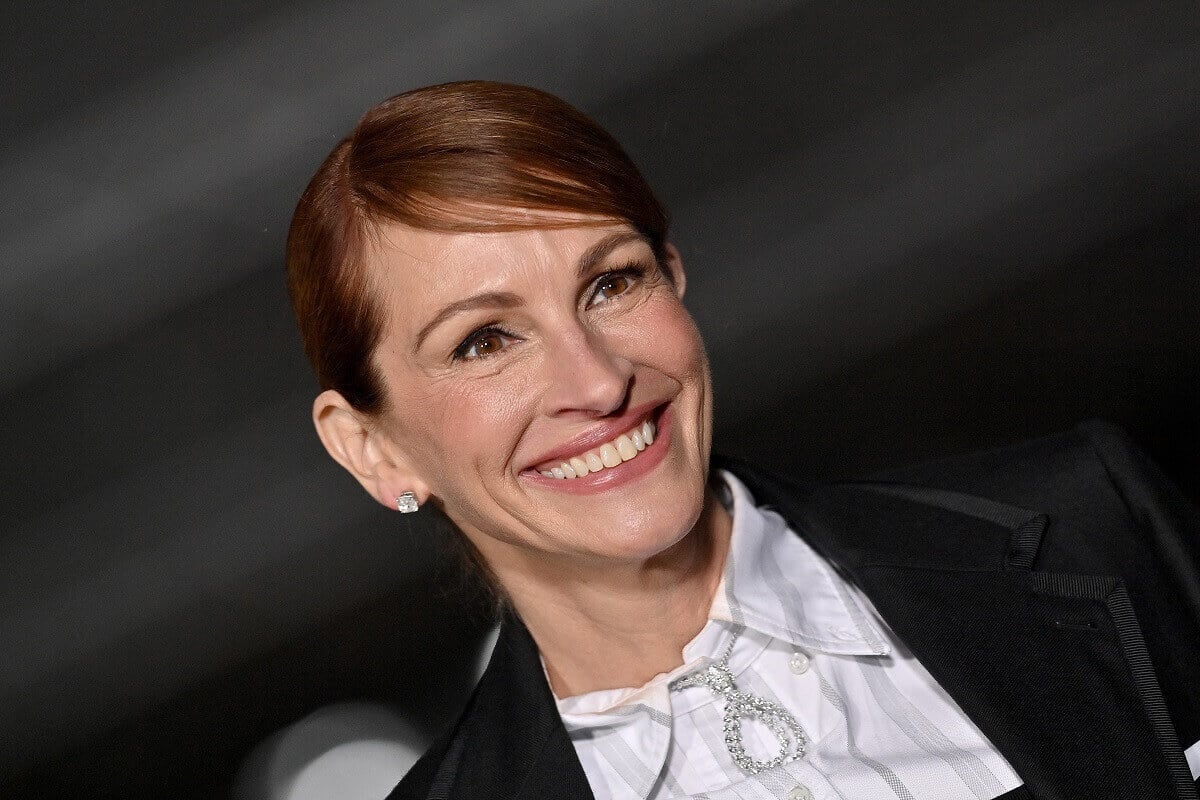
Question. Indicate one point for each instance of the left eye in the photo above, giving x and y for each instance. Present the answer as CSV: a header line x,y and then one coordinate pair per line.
x,y
610,286
482,344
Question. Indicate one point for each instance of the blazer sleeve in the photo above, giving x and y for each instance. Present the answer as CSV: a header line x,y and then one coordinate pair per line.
x,y
1167,577
1155,505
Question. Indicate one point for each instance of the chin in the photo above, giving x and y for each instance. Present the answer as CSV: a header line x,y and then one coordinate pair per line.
x,y
644,525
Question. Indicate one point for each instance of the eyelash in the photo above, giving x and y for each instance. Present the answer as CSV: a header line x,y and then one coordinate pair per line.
x,y
635,271
462,352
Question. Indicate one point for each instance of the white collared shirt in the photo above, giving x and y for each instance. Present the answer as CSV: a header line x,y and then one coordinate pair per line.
x,y
878,725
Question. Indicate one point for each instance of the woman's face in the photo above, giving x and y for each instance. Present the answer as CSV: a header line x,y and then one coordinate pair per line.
x,y
505,356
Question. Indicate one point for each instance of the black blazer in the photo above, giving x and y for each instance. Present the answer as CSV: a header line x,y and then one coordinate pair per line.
x,y
1052,588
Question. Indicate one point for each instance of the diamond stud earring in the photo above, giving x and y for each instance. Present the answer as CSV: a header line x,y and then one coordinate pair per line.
x,y
406,503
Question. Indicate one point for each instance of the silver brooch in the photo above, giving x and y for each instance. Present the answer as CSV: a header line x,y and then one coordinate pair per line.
x,y
741,705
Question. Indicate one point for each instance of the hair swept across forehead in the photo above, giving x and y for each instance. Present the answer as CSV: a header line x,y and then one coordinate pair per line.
x,y
471,156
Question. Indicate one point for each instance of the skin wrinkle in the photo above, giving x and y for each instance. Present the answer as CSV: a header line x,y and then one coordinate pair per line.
x,y
611,578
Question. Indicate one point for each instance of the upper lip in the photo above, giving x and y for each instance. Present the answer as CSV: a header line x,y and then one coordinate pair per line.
x,y
600,433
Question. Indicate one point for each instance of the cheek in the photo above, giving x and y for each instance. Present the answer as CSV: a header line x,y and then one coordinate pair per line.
x,y
671,341
448,428
480,423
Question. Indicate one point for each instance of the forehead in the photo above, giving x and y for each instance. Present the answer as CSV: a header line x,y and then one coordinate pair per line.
x,y
402,252
535,233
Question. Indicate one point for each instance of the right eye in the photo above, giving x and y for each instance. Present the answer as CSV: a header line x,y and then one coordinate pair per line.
x,y
483,343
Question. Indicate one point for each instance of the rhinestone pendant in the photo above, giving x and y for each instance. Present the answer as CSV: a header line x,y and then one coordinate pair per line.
x,y
741,705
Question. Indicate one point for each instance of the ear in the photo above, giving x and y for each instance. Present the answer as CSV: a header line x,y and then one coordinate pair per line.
x,y
363,448
673,262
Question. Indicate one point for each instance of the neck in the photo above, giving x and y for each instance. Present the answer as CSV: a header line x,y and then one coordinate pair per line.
x,y
620,625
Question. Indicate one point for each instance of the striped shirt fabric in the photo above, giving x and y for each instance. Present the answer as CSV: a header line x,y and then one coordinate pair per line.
x,y
878,726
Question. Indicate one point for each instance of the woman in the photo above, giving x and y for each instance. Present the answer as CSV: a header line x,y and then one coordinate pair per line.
x,y
486,290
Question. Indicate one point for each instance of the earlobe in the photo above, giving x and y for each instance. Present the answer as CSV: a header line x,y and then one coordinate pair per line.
x,y
673,263
364,451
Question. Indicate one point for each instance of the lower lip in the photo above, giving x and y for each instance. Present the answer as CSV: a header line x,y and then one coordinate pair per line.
x,y
620,475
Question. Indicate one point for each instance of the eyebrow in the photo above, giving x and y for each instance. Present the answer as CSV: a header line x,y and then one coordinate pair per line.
x,y
597,252
484,300
587,262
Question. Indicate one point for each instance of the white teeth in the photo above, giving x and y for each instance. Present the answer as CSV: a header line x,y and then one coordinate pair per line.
x,y
624,448
609,455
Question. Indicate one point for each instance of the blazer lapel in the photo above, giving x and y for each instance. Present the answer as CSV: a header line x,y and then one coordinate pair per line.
x,y
512,743
1045,665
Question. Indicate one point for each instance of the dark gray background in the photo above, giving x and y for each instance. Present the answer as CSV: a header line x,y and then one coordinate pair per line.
x,y
912,229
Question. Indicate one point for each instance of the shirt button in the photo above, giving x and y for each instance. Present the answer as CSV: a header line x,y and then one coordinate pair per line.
x,y
798,664
801,792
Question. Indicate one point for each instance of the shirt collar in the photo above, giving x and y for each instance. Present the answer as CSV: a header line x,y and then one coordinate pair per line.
x,y
773,583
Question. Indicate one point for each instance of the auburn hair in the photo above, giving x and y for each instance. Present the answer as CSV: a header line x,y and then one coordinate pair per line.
x,y
470,156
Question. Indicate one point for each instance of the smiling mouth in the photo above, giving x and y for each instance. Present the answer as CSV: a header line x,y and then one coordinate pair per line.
x,y
625,447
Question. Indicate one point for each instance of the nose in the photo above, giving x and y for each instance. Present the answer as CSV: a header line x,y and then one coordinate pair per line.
x,y
585,375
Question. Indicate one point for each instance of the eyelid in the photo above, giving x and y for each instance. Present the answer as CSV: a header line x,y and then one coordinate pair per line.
x,y
460,352
636,270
